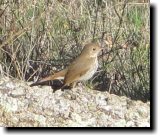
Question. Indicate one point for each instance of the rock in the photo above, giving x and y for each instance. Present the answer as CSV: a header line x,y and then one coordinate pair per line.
x,y
120,123
18,92
24,106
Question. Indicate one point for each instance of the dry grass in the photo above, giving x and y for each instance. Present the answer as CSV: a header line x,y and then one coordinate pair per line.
x,y
46,35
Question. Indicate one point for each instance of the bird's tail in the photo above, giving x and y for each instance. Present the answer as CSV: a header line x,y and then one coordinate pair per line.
x,y
59,75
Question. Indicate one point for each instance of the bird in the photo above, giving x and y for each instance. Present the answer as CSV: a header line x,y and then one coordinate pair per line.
x,y
81,69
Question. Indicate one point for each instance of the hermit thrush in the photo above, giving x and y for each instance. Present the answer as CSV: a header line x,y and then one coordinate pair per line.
x,y
81,69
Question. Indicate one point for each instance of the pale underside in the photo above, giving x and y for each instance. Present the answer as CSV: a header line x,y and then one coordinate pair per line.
x,y
81,71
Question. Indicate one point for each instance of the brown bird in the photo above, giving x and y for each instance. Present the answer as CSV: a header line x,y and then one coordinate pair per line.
x,y
81,69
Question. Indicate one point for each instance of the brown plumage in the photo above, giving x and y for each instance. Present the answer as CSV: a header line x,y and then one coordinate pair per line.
x,y
81,69
58,75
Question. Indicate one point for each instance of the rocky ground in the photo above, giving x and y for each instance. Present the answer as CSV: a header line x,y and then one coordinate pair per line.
x,y
25,106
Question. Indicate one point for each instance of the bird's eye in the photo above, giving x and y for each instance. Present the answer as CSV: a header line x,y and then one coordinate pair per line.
x,y
94,48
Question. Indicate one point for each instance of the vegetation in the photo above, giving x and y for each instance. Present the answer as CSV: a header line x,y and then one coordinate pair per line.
x,y
38,37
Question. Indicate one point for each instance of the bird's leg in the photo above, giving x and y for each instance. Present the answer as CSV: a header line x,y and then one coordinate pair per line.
x,y
68,86
72,93
72,85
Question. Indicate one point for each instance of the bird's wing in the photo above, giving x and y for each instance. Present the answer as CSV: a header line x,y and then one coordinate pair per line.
x,y
76,70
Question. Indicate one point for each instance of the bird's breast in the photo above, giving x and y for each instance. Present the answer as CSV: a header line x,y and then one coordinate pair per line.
x,y
91,71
